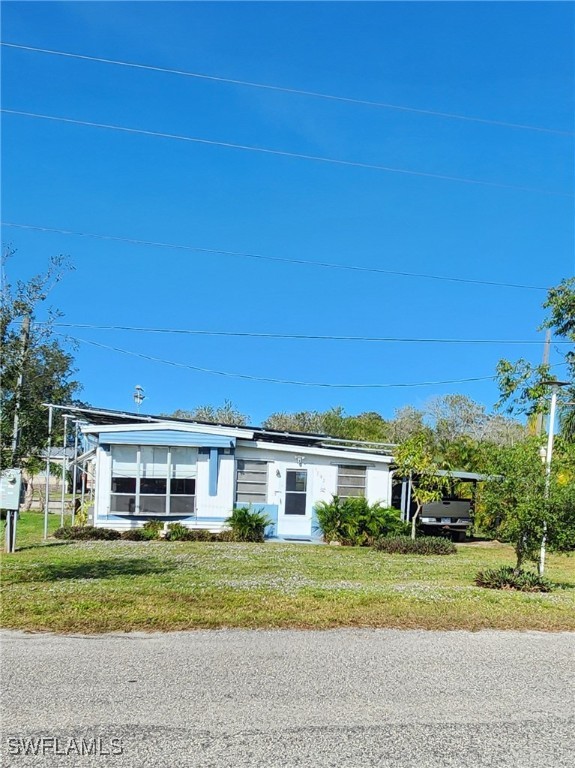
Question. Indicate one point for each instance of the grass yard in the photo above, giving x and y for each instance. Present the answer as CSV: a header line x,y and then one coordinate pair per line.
x,y
121,586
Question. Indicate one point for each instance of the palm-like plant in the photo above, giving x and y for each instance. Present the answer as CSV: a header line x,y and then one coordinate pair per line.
x,y
248,524
355,522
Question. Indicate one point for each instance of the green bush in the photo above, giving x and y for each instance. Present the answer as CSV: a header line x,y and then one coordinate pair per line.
x,y
354,522
86,533
152,528
226,535
200,534
424,545
136,534
178,532
507,577
247,524
148,532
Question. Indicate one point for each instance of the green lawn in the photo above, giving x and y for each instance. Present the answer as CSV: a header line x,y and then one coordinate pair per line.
x,y
122,586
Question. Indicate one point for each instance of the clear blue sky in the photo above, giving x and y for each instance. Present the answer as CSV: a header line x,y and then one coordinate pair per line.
x,y
509,62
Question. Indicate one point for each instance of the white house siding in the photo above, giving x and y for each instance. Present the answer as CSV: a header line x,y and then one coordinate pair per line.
x,y
377,484
211,511
321,465
322,478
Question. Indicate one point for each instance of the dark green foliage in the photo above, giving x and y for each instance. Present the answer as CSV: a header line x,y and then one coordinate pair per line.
x,y
424,545
86,533
507,577
518,503
354,522
178,532
200,534
226,535
247,524
47,367
152,528
137,534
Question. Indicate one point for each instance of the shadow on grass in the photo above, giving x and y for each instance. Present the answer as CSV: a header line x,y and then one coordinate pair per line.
x,y
43,545
99,569
558,585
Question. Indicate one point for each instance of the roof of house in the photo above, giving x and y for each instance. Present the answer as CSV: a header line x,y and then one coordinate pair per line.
x,y
107,417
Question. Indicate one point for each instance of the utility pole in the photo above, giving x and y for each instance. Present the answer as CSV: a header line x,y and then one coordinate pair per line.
x,y
24,341
546,348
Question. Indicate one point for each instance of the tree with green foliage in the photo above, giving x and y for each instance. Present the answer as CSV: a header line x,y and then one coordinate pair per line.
x,y
520,382
520,504
416,459
35,372
369,426
223,414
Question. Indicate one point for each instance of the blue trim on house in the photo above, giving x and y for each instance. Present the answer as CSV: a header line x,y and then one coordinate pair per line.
x,y
213,472
167,437
271,510
113,516
316,533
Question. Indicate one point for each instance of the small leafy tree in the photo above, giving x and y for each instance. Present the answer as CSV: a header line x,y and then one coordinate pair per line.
x,y
520,505
416,459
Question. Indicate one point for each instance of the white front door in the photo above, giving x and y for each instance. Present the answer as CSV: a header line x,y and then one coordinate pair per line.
x,y
295,507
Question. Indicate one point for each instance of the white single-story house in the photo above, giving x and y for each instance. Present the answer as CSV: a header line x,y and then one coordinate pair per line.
x,y
150,467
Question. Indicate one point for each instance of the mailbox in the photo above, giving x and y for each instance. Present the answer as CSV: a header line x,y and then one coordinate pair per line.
x,y
10,488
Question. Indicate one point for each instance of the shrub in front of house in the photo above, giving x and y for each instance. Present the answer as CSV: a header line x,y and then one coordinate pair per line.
x,y
86,533
248,524
136,534
200,534
177,532
355,522
226,535
507,577
424,545
152,528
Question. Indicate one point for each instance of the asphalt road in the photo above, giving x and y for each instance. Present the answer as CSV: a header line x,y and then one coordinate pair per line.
x,y
348,698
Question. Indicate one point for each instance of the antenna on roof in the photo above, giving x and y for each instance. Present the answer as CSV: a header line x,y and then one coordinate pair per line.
x,y
139,396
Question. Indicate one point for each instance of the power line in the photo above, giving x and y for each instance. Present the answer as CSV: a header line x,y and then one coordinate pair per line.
x,y
269,380
277,259
295,91
294,336
280,152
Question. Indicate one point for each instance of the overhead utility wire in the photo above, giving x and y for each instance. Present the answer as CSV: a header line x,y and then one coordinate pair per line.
x,y
278,259
295,336
280,152
295,91
267,379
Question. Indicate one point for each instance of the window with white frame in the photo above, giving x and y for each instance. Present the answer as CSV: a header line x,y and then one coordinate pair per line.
x,y
252,481
153,480
351,480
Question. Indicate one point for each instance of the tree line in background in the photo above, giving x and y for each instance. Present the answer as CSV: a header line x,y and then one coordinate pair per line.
x,y
523,503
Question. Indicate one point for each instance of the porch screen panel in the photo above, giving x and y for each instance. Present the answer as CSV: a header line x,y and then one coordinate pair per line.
x,y
183,480
124,478
153,479
351,480
252,481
